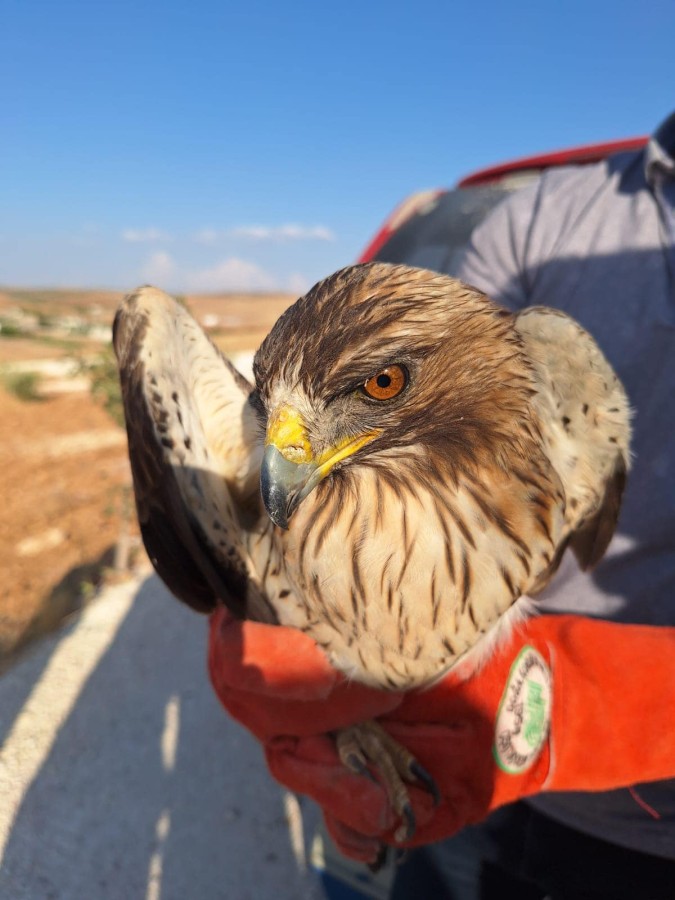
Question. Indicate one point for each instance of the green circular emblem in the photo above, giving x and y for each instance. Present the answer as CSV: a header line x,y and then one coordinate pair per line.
x,y
524,713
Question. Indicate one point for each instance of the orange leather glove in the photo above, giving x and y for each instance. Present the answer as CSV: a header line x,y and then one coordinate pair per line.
x,y
276,681
566,703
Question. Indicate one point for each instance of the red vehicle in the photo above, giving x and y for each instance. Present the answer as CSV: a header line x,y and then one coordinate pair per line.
x,y
430,229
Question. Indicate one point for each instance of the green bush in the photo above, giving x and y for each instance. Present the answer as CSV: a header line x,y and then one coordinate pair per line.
x,y
105,384
9,329
24,385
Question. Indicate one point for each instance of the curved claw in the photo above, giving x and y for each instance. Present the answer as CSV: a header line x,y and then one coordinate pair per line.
x,y
400,856
358,767
409,825
368,749
426,780
379,860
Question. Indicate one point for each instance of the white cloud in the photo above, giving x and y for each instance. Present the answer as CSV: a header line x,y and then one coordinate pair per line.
x,y
207,236
144,235
297,284
289,232
231,274
254,232
160,269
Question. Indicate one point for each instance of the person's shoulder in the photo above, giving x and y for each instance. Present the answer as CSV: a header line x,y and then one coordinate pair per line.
x,y
531,219
544,206
585,184
540,222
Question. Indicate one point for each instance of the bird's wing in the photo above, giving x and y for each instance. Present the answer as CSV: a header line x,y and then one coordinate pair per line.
x,y
195,449
585,421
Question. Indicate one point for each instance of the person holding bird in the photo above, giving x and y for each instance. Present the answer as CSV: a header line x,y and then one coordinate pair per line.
x,y
378,527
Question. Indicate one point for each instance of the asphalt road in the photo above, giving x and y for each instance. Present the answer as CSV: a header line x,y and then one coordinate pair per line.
x,y
122,778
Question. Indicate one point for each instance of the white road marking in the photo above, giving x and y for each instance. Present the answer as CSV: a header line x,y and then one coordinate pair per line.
x,y
156,866
170,733
295,832
36,727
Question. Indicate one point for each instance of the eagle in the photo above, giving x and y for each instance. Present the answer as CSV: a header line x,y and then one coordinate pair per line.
x,y
407,470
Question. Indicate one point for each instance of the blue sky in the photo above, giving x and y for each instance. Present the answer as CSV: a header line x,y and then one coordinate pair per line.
x,y
214,145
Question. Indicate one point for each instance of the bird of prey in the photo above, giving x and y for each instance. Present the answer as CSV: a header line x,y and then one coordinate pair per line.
x,y
409,466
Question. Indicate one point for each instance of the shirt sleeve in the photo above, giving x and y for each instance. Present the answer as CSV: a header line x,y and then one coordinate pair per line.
x,y
495,258
531,229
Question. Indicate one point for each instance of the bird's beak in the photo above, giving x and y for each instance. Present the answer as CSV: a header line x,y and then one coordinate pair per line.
x,y
290,470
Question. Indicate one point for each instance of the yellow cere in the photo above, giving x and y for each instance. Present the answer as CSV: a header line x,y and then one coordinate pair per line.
x,y
286,431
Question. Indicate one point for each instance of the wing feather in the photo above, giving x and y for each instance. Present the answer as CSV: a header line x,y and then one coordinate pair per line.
x,y
194,448
585,419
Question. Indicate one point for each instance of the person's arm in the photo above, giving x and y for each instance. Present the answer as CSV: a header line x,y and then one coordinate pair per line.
x,y
514,252
495,259
566,703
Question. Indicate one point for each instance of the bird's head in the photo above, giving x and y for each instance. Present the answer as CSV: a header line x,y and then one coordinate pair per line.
x,y
379,362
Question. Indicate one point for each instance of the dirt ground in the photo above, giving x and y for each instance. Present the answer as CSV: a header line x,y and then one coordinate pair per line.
x,y
64,473
63,470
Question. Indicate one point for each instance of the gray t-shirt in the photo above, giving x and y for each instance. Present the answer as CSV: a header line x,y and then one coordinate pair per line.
x,y
599,243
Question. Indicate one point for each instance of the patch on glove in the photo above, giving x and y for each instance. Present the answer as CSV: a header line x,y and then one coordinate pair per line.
x,y
524,713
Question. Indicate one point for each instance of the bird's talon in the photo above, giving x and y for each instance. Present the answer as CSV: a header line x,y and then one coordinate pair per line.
x,y
354,762
409,825
358,766
420,774
379,860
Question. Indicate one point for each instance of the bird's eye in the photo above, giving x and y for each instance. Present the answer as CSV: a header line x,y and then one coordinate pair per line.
x,y
386,384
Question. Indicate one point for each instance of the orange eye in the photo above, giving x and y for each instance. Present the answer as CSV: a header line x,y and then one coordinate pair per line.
x,y
386,384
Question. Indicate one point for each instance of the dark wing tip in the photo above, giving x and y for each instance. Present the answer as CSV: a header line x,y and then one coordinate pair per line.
x,y
590,542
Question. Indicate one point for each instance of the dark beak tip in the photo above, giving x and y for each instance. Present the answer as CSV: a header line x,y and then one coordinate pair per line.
x,y
276,508
280,487
281,521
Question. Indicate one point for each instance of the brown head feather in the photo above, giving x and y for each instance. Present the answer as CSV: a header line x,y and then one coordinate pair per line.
x,y
462,352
